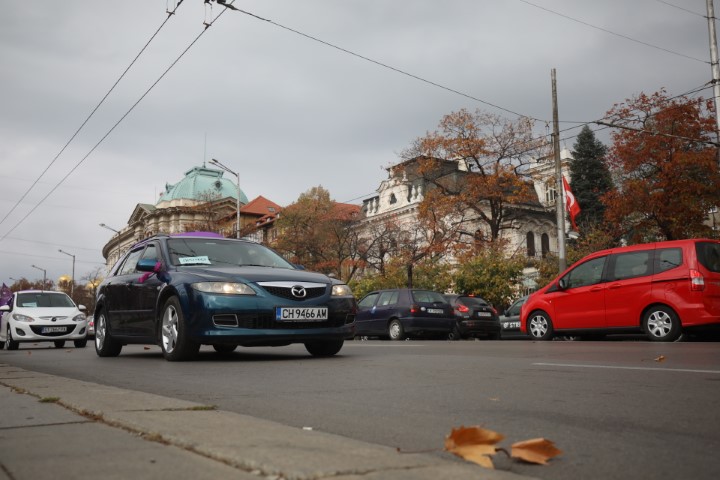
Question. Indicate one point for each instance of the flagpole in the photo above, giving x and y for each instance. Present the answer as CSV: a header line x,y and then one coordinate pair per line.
x,y
560,198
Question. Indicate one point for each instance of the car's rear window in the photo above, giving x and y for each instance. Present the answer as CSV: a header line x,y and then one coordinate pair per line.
x,y
708,254
472,301
43,300
426,296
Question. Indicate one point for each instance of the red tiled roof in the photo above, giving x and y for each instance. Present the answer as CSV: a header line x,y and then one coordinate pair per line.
x,y
261,206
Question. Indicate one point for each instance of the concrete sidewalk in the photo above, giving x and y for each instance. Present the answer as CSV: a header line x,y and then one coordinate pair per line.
x,y
56,428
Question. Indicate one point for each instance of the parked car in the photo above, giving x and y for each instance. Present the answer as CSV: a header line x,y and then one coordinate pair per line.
x,y
42,316
188,290
659,289
474,317
510,319
400,313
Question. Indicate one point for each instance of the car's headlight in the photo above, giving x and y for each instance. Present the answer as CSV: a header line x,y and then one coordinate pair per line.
x,y
22,318
341,290
223,287
79,317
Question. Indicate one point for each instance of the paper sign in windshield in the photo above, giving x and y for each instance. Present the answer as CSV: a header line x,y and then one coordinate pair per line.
x,y
203,260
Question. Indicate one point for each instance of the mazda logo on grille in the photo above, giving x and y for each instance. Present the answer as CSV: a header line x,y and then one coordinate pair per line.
x,y
298,291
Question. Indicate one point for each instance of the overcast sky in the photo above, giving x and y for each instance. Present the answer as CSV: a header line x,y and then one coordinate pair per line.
x,y
286,110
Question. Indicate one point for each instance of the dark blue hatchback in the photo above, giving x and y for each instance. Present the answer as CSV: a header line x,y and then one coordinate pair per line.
x,y
401,312
185,291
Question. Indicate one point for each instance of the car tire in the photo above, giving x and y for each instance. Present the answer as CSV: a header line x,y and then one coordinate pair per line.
x,y
82,343
539,326
224,349
325,348
661,324
174,341
455,334
396,330
105,344
10,344
59,343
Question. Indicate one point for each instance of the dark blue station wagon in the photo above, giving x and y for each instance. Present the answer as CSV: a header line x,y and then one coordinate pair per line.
x,y
188,290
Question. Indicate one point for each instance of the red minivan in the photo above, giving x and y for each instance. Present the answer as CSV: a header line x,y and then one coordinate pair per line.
x,y
661,289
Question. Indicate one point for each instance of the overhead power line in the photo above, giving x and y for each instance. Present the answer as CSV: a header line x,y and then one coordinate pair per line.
x,y
384,65
62,180
682,8
613,33
152,37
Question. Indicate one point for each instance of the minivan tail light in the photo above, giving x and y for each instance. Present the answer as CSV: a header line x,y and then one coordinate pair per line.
x,y
697,281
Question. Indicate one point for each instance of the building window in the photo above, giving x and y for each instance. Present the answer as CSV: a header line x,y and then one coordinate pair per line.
x,y
393,199
545,244
550,192
530,244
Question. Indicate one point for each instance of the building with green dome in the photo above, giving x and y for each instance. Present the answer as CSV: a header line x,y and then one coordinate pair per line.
x,y
203,200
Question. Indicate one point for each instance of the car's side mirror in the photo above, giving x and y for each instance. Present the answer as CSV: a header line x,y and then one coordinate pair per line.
x,y
562,284
82,308
146,264
5,308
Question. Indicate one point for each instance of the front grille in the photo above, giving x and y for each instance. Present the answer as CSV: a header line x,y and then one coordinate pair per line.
x,y
268,322
286,292
37,330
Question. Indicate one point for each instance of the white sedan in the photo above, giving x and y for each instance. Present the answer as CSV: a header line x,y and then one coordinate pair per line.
x,y
42,316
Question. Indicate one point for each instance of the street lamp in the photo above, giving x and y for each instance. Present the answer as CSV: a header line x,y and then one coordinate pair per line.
x,y
218,164
109,228
72,278
44,275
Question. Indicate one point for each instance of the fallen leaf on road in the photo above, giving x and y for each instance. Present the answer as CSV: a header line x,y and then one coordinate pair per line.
x,y
146,348
474,444
537,450
661,358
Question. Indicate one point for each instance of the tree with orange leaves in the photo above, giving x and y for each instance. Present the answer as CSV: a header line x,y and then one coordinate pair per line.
x,y
491,153
665,165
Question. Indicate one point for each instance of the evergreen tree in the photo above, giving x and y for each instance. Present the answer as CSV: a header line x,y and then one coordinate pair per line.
x,y
589,177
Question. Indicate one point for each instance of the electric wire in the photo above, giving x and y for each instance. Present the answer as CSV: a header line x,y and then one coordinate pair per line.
x,y
142,50
389,67
62,180
613,33
682,8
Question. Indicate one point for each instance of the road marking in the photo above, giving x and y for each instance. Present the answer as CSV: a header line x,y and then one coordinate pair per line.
x,y
392,345
570,365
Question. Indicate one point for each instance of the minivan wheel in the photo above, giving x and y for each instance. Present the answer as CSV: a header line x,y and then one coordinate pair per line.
x,y
396,330
661,324
540,326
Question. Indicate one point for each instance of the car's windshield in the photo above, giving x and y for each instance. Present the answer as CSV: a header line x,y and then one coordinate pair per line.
x,y
218,252
43,300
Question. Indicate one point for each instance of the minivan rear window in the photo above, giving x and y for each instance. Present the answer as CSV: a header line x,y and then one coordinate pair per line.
x,y
667,259
708,254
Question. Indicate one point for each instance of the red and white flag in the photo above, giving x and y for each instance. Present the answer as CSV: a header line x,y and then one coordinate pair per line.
x,y
570,203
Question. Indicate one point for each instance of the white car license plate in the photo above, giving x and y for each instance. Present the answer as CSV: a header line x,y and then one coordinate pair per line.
x,y
53,330
307,314
507,325
484,314
435,310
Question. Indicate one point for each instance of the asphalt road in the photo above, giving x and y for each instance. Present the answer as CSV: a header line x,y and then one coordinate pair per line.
x,y
618,410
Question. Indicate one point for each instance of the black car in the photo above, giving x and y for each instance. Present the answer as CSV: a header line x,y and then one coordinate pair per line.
x,y
188,290
474,317
401,312
510,319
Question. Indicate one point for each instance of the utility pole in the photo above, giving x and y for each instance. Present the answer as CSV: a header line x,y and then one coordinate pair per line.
x,y
559,197
715,68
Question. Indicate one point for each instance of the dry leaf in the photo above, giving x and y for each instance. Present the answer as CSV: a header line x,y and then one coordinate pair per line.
x,y
661,358
537,450
474,444
146,348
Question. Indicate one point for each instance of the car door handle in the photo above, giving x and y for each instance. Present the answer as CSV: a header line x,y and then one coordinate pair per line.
x,y
615,285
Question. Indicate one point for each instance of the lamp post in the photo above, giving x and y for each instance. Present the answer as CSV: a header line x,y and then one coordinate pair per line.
x,y
217,163
44,275
118,242
72,278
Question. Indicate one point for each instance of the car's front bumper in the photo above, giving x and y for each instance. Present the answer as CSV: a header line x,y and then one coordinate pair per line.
x,y
47,331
